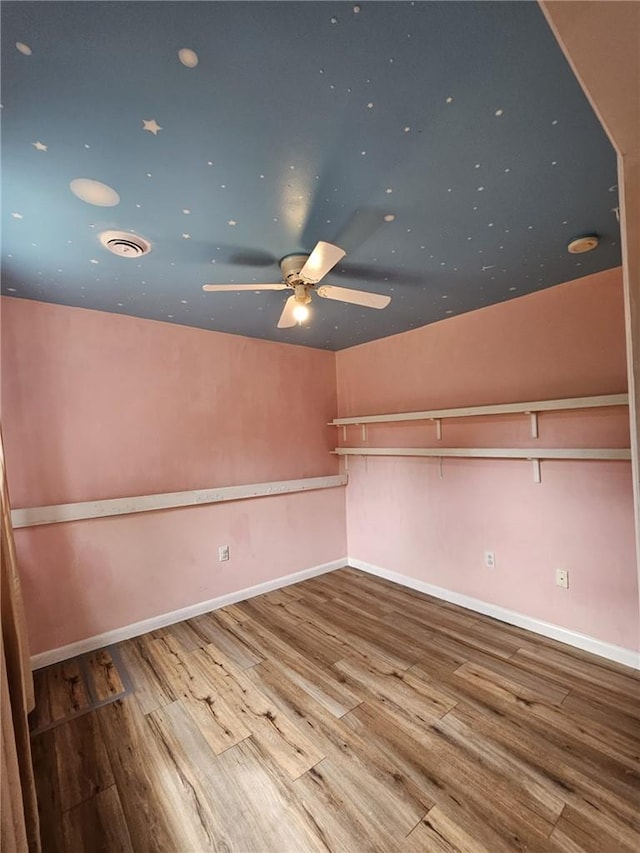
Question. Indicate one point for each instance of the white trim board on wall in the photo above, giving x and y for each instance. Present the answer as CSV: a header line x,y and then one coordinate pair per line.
x,y
628,657
57,513
571,638
99,641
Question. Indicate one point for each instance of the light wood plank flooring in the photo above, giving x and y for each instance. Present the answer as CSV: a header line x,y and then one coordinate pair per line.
x,y
348,714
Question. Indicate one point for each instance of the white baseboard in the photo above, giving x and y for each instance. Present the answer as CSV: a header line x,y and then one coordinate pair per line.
x,y
628,657
99,641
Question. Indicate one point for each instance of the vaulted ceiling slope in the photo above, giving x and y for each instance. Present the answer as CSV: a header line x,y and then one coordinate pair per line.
x,y
447,147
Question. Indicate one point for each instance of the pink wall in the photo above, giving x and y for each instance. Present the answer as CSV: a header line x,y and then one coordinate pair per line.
x,y
564,342
97,405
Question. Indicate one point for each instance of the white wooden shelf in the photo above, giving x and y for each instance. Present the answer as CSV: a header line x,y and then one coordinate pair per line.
x,y
492,452
533,454
501,409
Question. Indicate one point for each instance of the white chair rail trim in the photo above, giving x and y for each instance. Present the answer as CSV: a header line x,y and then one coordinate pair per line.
x,y
33,516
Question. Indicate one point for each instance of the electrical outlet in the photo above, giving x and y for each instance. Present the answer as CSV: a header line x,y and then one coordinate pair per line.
x,y
490,559
562,578
223,553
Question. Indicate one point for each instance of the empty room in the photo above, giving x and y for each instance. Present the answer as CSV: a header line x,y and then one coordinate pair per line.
x,y
320,382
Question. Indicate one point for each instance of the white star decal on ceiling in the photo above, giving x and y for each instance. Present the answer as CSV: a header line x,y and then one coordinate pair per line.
x,y
17,216
186,236
151,125
39,146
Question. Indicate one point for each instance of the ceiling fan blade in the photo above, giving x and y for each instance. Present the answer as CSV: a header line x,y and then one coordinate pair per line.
x,y
321,261
286,318
217,288
355,297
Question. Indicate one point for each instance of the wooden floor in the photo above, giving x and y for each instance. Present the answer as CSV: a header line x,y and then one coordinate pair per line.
x,y
348,714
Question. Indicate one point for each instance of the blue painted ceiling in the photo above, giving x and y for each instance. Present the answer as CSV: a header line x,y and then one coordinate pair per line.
x,y
461,123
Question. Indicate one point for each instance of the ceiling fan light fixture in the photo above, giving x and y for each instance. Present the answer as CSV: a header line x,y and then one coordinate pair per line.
x,y
301,312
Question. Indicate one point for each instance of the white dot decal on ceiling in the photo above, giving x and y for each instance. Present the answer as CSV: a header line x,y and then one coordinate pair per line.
x,y
17,216
231,222
334,20
151,125
555,121
87,146
184,301
94,192
449,100
39,146
188,57
24,49
480,189
389,190
554,162
11,290
407,129
370,105
93,261
356,10
186,236
186,211
389,217
498,112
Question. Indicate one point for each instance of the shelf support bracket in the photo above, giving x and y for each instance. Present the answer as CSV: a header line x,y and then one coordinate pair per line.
x,y
440,472
363,428
534,424
537,477
344,432
438,423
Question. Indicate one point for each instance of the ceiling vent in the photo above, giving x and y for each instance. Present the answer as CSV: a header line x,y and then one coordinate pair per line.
x,y
124,244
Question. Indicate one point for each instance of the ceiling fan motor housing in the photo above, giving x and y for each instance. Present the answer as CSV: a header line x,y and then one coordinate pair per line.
x,y
290,267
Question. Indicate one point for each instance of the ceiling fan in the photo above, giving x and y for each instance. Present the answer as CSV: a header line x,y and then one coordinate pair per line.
x,y
301,273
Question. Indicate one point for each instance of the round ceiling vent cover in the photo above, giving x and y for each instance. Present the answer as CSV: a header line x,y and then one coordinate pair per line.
x,y
124,244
